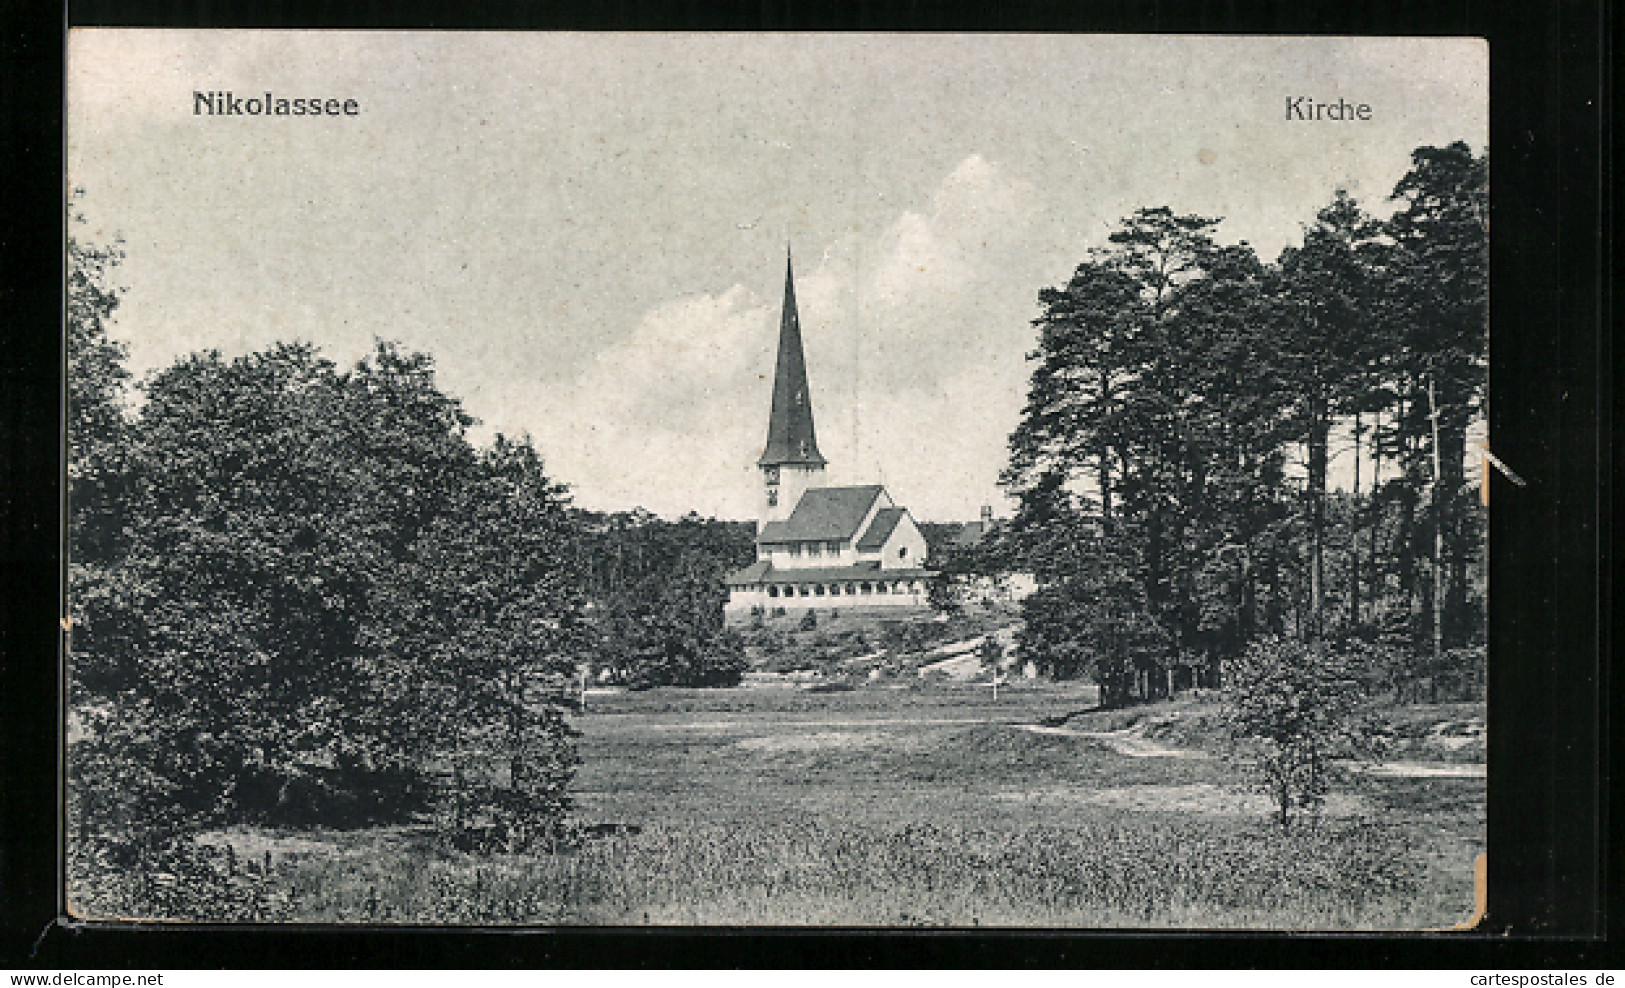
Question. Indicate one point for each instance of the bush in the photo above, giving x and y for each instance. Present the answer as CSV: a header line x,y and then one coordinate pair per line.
x,y
809,621
1293,707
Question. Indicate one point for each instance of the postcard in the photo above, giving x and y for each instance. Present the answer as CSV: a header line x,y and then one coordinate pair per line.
x,y
789,480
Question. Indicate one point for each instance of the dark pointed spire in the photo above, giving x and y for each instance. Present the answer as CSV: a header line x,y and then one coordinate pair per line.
x,y
790,434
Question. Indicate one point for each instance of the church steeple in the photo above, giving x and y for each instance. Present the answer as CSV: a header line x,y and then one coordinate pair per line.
x,y
791,439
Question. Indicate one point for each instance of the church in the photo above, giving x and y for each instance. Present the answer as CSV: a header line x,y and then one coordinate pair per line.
x,y
817,546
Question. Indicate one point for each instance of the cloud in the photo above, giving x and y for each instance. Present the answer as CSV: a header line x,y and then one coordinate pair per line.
x,y
915,341
667,418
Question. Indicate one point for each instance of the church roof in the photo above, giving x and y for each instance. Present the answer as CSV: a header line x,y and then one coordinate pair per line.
x,y
824,513
790,434
764,572
880,529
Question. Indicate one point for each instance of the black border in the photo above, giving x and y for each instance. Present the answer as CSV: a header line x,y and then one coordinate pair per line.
x,y
1549,544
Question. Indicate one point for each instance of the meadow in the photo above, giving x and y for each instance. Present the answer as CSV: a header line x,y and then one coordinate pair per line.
x,y
924,804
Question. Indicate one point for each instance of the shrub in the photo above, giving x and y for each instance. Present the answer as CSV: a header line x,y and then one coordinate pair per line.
x,y
1293,707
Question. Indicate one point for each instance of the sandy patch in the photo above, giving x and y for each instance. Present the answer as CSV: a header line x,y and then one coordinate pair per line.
x,y
816,741
1200,798
1129,741
1424,770
960,667
1455,735
756,725
256,844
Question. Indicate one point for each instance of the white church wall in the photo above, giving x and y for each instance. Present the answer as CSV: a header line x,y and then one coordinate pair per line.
x,y
846,555
905,548
808,558
847,594
778,500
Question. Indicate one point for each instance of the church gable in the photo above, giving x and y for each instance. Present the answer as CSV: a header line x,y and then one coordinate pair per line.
x,y
886,519
904,546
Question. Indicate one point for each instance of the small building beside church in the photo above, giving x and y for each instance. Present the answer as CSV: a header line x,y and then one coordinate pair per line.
x,y
818,546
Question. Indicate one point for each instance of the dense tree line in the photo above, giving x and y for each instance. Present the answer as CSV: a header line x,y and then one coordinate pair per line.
x,y
300,594
1187,402
658,597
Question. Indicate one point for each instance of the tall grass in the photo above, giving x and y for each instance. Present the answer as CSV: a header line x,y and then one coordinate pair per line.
x,y
1125,870
921,824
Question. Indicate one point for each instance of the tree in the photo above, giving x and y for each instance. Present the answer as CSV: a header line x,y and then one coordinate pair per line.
x,y
1090,338
1294,707
496,605
658,595
945,594
1438,292
991,655
1095,622
1149,389
273,536
1173,377
1327,345
100,469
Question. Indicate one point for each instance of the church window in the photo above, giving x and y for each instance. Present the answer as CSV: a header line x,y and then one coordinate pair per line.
x,y
772,591
772,497
815,549
772,475
902,553
818,589
806,591
866,588
882,588
795,548
833,548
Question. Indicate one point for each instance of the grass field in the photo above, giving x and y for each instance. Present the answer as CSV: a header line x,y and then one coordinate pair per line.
x,y
924,805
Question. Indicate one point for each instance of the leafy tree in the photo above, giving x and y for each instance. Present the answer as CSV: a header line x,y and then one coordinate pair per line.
x,y
278,523
944,593
1294,706
496,606
991,655
325,590
1094,622
658,597
100,467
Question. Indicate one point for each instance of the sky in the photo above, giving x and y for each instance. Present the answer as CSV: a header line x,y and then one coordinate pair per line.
x,y
588,232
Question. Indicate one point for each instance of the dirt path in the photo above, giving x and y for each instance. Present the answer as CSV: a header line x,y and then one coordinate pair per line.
x,y
1130,741
730,725
1425,770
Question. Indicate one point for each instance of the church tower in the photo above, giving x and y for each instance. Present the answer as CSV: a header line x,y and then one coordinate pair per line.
x,y
791,463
